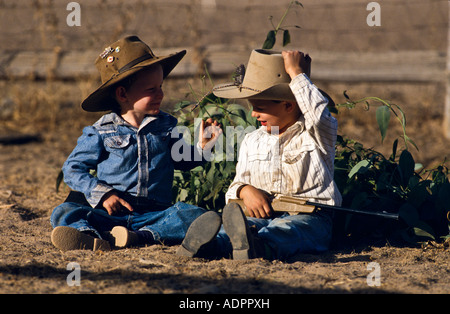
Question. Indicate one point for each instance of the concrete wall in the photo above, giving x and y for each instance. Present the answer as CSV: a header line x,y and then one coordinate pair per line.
x,y
326,25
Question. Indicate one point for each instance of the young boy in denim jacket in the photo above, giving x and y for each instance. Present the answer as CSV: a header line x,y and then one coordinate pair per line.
x,y
128,201
291,154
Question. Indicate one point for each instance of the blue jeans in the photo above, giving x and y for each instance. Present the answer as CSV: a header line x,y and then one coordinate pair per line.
x,y
168,226
288,235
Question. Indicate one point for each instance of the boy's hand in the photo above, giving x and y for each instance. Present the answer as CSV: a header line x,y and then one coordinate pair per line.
x,y
114,204
296,62
256,201
209,133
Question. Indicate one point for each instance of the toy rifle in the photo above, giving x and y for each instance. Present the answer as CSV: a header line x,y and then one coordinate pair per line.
x,y
294,206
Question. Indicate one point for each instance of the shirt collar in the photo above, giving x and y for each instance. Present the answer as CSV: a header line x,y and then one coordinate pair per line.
x,y
114,118
298,126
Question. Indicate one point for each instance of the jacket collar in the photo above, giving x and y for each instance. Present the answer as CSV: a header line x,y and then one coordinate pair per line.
x,y
115,119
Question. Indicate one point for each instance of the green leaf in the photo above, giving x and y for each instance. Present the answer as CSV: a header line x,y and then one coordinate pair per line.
x,y
346,96
407,139
181,105
394,150
238,114
422,235
444,196
419,194
383,115
410,216
286,38
360,167
406,164
270,40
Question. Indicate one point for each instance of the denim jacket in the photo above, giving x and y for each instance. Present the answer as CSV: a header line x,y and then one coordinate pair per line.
x,y
127,159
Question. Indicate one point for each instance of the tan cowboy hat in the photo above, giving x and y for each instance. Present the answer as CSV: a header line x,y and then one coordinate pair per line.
x,y
120,60
264,78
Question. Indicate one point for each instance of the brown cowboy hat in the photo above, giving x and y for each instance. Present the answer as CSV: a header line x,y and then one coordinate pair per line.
x,y
264,78
118,61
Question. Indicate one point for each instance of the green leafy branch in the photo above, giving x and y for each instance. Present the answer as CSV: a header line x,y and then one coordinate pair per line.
x,y
272,34
205,186
369,180
383,115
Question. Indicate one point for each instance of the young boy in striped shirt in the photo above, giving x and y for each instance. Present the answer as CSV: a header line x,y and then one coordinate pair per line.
x,y
291,154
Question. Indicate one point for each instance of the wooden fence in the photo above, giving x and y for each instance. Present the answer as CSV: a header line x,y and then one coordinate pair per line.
x,y
406,66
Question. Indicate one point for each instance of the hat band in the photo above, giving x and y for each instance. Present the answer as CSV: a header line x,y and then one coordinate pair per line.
x,y
240,87
221,87
131,64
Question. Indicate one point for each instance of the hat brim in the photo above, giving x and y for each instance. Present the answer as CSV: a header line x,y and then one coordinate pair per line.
x,y
280,92
102,98
276,92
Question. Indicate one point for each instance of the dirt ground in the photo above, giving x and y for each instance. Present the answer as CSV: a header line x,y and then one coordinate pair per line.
x,y
30,264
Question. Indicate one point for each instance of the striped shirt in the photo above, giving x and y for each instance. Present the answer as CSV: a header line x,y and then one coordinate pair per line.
x,y
299,162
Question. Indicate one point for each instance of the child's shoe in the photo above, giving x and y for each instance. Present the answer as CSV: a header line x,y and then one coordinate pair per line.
x,y
236,227
202,231
67,238
121,237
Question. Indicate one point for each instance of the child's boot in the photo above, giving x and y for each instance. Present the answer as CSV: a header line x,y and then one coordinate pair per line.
x,y
202,231
236,227
121,237
67,238
245,244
